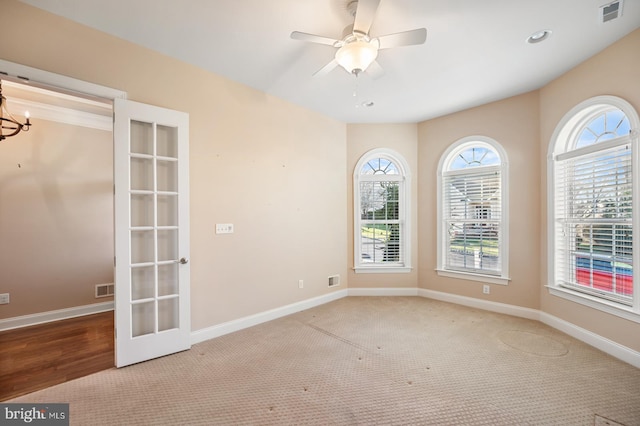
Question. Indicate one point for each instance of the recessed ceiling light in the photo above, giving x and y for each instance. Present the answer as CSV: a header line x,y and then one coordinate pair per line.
x,y
539,36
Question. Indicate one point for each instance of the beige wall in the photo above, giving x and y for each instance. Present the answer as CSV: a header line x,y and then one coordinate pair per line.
x,y
274,170
513,123
403,139
615,71
56,217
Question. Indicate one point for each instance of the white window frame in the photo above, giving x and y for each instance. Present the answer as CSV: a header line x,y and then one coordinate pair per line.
x,y
404,191
445,160
563,136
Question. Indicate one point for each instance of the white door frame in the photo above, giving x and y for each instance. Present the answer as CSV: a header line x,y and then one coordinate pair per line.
x,y
57,82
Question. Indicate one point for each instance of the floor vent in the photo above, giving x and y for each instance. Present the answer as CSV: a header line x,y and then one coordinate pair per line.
x,y
104,290
611,11
334,280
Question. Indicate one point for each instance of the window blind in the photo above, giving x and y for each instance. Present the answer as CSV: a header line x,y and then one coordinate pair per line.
x,y
381,230
472,220
594,230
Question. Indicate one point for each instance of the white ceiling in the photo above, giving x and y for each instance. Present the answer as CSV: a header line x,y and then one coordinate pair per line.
x,y
476,51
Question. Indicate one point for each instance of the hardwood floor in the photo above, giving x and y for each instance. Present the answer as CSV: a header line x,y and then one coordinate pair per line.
x,y
36,357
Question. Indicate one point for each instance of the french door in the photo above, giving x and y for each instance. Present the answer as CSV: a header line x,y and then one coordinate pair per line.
x,y
151,176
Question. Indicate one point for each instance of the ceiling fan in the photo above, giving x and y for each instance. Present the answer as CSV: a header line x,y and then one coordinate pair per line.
x,y
357,50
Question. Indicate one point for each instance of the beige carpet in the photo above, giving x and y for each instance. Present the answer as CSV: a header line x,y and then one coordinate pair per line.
x,y
367,361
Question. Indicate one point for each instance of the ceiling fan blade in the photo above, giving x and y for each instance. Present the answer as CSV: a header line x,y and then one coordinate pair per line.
x,y
405,38
374,70
365,13
297,35
326,69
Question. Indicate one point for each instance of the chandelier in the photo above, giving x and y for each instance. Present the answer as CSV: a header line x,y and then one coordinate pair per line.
x,y
8,123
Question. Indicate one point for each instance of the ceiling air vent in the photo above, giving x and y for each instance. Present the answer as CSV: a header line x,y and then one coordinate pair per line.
x,y
610,11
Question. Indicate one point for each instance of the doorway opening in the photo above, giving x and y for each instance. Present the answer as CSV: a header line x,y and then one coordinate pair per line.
x,y
144,186
57,232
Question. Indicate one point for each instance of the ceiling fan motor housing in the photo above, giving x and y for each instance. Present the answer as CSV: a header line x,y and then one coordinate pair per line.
x,y
352,7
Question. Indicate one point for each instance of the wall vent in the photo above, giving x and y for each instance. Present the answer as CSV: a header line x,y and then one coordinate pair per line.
x,y
334,280
104,290
610,11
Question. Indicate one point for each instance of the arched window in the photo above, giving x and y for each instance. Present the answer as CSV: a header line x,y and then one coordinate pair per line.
x,y
381,214
472,211
592,246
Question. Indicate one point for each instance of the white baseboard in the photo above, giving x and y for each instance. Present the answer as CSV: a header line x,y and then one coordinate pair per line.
x,y
404,291
501,308
610,347
60,314
251,320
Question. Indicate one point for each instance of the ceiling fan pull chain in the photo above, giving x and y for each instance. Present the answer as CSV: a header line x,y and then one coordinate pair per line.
x,y
355,87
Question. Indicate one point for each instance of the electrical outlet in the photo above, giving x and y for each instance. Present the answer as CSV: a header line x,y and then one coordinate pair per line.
x,y
4,299
486,289
300,283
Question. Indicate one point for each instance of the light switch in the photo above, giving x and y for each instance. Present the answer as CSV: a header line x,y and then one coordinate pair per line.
x,y
224,228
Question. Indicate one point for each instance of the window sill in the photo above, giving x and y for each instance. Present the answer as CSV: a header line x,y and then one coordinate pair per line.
x,y
487,279
382,269
612,308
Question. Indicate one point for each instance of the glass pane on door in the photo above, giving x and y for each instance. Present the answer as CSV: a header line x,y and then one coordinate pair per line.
x,y
167,244
143,318
142,246
168,279
168,314
167,176
167,141
143,281
141,137
142,210
142,174
167,210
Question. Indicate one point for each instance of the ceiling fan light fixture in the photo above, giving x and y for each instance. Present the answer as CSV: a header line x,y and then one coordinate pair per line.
x,y
356,56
